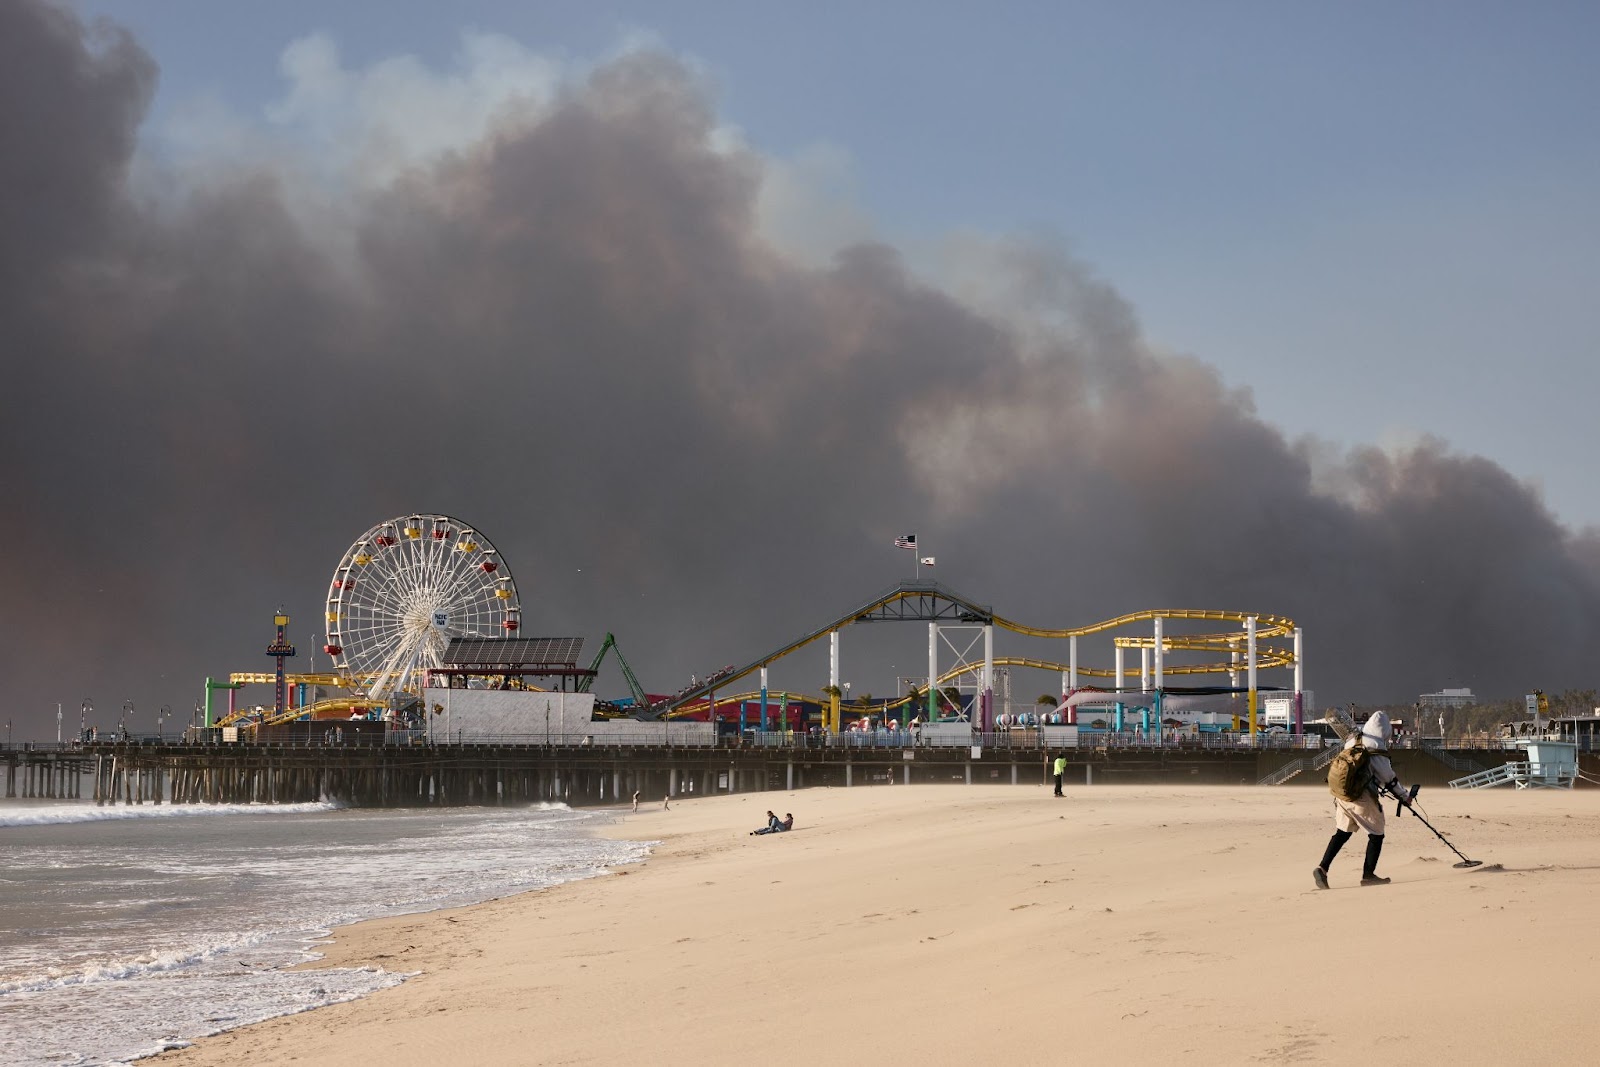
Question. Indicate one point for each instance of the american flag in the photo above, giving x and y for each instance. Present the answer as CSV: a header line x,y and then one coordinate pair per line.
x,y
908,541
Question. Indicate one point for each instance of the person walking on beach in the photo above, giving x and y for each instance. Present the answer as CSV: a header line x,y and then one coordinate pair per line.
x,y
1364,811
1061,770
666,802
635,800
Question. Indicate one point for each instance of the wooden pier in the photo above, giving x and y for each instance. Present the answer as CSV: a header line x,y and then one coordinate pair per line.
x,y
412,775
386,775
45,774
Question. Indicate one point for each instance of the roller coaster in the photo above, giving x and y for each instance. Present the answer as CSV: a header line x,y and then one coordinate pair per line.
x,y
933,603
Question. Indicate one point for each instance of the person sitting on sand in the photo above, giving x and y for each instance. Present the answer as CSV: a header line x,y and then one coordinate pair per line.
x,y
776,825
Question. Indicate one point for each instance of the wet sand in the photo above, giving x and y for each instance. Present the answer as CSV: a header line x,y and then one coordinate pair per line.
x,y
951,924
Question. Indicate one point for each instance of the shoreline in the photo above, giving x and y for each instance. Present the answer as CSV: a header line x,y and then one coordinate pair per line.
x,y
942,923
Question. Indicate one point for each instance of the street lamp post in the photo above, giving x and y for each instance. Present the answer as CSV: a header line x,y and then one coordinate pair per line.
x,y
161,720
122,722
83,719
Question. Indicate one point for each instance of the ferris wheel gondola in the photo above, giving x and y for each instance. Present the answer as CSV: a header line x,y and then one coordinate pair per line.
x,y
404,589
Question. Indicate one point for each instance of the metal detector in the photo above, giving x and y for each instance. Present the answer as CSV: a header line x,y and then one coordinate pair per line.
x,y
1409,801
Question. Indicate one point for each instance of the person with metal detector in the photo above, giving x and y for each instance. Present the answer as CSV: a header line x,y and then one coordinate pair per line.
x,y
1356,778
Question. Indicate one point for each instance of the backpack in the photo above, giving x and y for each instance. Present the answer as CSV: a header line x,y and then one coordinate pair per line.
x,y
1350,772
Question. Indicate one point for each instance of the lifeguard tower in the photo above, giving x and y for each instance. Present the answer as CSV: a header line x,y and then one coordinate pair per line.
x,y
1550,765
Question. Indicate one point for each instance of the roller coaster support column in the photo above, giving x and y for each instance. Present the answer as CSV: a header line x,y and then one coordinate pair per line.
x,y
1072,664
1144,668
833,681
1250,667
1233,674
229,686
763,700
1299,684
1160,656
933,671
1121,680
988,678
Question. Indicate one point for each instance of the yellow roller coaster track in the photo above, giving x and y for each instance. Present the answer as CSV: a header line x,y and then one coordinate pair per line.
x,y
268,678
273,718
1266,625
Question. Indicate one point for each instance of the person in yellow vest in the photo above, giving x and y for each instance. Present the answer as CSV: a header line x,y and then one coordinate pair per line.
x,y
1061,769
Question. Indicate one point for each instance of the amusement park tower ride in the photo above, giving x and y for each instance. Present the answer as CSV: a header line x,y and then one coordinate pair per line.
x,y
281,649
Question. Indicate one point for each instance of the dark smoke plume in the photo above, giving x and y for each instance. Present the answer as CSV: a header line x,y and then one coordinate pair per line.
x,y
574,334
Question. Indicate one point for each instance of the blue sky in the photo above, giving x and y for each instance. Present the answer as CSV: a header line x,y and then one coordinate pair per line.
x,y
1383,219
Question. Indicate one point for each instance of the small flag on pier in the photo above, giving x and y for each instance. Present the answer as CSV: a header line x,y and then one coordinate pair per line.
x,y
908,541
927,561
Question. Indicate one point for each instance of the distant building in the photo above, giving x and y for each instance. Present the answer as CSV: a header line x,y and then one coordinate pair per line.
x,y
1448,698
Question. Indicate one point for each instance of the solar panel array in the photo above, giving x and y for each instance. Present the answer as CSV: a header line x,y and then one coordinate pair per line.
x,y
513,652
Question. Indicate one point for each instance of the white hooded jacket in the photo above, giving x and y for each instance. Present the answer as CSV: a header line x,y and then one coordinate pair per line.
x,y
1375,735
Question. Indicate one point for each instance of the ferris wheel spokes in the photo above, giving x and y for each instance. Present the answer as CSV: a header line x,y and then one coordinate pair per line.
x,y
405,589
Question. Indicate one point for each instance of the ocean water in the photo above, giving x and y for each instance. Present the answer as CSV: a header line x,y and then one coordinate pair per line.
x,y
128,930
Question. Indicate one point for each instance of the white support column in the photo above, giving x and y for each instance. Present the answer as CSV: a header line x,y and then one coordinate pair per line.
x,y
1144,668
1120,672
986,714
933,670
1161,647
1233,675
1299,662
1072,663
833,679
1250,667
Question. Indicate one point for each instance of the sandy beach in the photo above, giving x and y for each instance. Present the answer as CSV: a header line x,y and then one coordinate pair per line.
x,y
950,924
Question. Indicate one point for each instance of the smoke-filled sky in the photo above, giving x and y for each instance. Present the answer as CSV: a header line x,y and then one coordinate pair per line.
x,y
693,387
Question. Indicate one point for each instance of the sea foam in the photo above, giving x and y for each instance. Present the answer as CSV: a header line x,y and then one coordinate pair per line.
x,y
57,814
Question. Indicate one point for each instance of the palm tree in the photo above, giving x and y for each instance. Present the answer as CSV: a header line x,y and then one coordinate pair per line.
x,y
1047,698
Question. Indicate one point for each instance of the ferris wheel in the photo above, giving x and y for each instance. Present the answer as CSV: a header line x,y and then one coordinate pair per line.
x,y
404,589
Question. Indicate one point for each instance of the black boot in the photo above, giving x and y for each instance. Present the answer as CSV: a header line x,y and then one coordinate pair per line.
x,y
1369,869
1335,843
